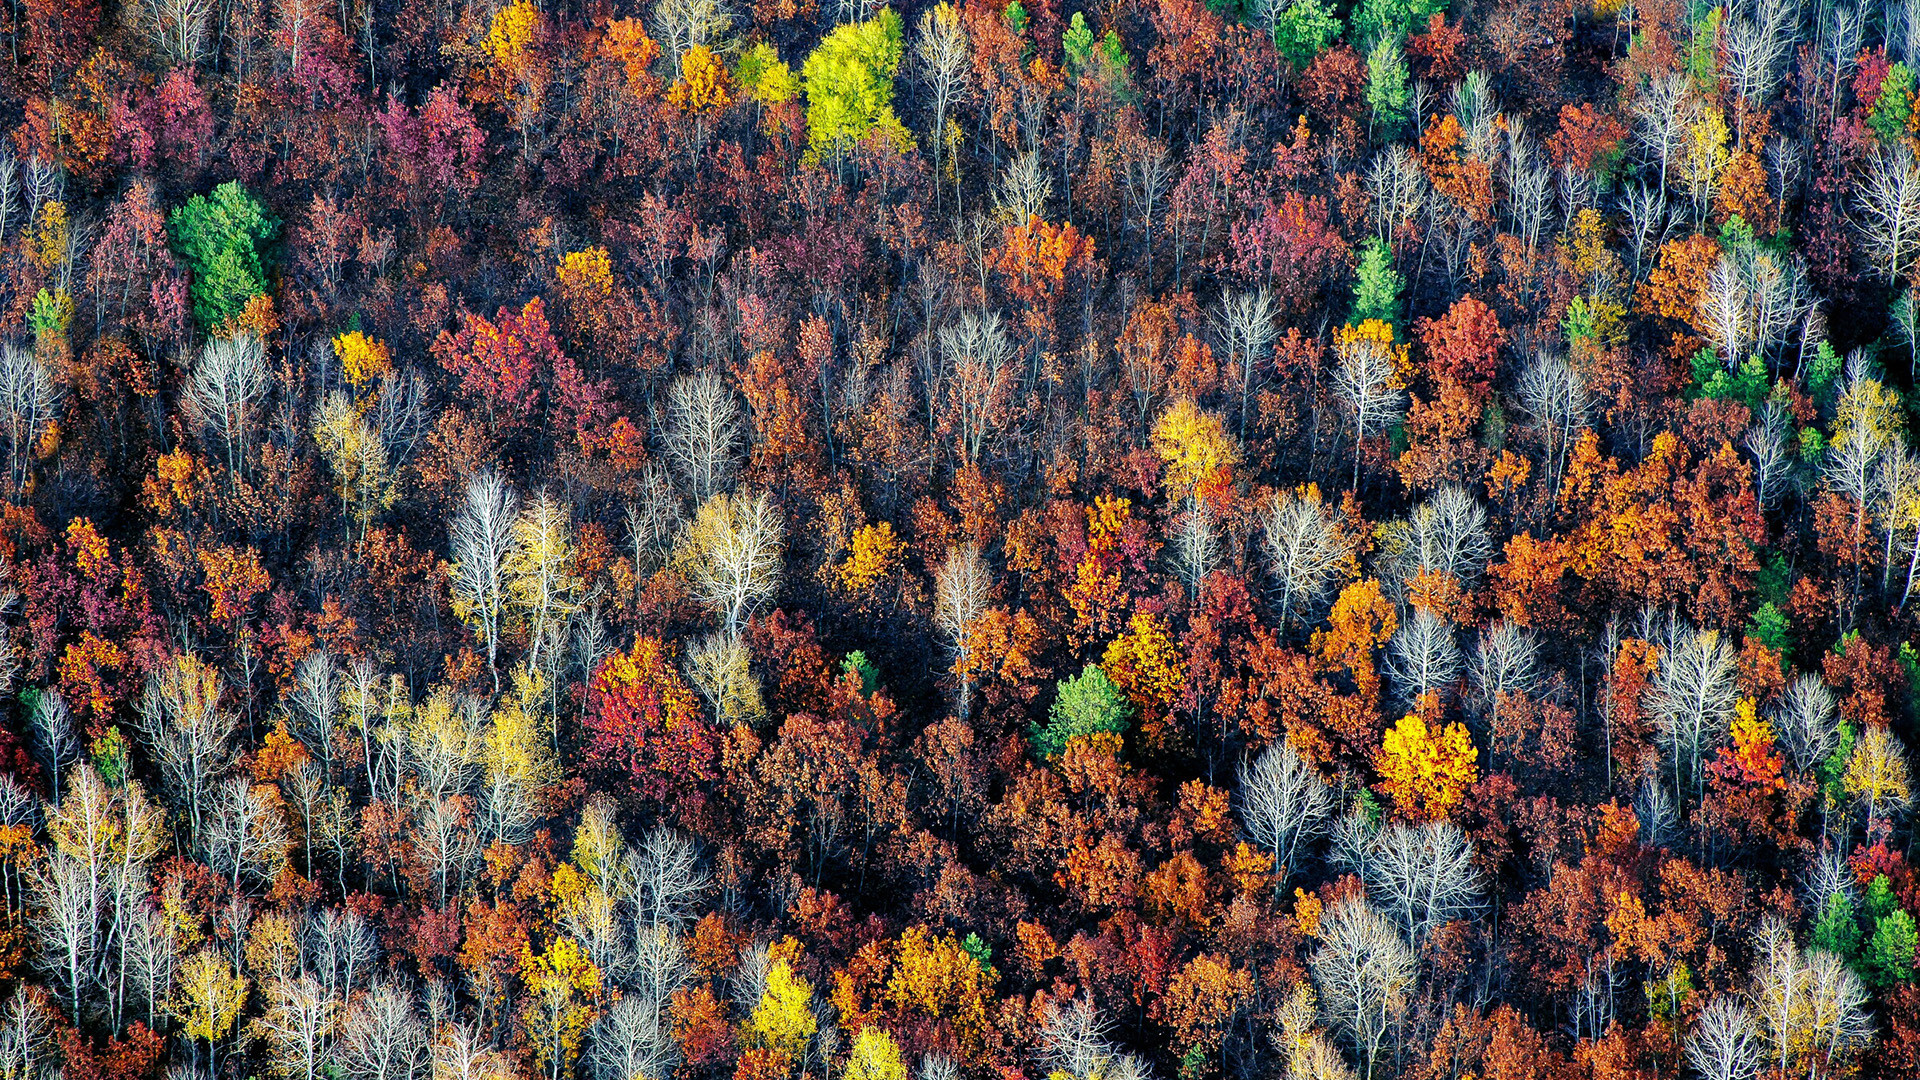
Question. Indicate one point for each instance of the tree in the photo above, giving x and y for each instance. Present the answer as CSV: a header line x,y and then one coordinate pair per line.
x,y
1691,701
224,240
644,724
358,458
1426,770
540,579
782,1020
703,433
961,588
1423,876
1087,704
1811,1008
225,388
210,998
29,406
1369,388
1365,972
246,833
1247,324
1302,30
941,49
875,1056
187,733
849,85
482,538
1887,193
382,1037
298,1027
1283,800
1423,657
1555,396
731,556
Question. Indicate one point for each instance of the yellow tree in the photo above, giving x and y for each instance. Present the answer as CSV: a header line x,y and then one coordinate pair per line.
x,y
1194,447
1877,773
358,459
783,1022
208,997
1426,771
561,985
875,1056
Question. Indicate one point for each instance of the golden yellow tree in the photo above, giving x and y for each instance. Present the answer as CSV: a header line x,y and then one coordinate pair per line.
x,y
561,984
1193,445
1426,771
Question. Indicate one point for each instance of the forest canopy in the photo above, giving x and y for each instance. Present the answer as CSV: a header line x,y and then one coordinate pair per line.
x,y
981,540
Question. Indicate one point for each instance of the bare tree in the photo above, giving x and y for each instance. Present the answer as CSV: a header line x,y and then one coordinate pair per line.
x,y
979,355
654,518
67,900
1398,189
1691,701
1147,171
481,535
730,556
1306,553
1887,194
1422,657
1811,1008
630,1041
1283,801
961,588
460,1052
382,1037
1503,663
29,403
1423,875
1725,1042
1753,297
1024,189
1369,390
313,704
187,734
669,876
1248,327
298,1027
1808,720
1196,544
1662,114
1649,223
151,952
1365,972
1766,440
245,836
342,949
225,389
703,434
1445,534
51,733
445,844
1554,395
941,49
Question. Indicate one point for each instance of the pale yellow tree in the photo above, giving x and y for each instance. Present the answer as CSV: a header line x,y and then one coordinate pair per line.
x,y
1877,776
358,459
208,997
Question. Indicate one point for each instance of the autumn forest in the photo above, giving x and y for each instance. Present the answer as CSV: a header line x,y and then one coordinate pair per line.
x,y
981,540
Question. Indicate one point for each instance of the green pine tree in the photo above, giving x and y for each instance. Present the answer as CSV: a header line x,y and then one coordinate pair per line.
x,y
223,239
1376,286
1838,929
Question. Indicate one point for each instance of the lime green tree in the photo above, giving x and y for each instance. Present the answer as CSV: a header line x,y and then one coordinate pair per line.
x,y
849,85
1304,30
223,238
1087,704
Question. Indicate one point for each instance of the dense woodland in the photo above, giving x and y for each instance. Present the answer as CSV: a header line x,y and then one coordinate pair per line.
x,y
1164,540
